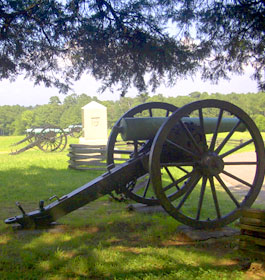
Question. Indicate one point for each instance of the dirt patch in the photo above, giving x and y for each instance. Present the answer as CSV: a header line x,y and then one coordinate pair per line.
x,y
244,172
256,271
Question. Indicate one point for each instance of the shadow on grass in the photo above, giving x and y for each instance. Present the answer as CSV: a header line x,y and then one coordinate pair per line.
x,y
118,250
36,182
101,241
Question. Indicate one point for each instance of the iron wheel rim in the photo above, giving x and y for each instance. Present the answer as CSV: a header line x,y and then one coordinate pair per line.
x,y
154,165
169,108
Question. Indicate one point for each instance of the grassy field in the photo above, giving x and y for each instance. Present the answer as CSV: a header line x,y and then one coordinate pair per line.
x,y
102,240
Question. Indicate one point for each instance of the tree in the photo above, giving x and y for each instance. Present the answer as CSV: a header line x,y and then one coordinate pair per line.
x,y
18,127
195,95
119,42
70,100
48,114
260,122
54,100
8,116
26,120
70,116
143,97
83,99
235,32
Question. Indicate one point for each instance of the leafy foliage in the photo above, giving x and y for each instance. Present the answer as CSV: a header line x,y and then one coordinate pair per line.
x,y
123,42
15,119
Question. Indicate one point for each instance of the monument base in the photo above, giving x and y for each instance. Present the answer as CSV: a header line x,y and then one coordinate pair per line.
x,y
93,142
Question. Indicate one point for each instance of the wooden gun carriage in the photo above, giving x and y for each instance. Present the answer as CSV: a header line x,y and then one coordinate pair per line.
x,y
74,130
176,161
48,138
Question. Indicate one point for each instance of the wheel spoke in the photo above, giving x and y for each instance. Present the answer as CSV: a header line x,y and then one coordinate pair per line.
x,y
135,145
188,192
167,113
212,145
46,145
150,112
178,164
127,152
140,185
55,138
216,204
55,145
236,148
202,128
240,163
237,179
188,133
204,181
182,169
220,147
146,187
181,148
176,182
170,175
227,190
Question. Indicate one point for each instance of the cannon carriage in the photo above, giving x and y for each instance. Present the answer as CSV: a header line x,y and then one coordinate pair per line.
x,y
48,138
74,130
177,161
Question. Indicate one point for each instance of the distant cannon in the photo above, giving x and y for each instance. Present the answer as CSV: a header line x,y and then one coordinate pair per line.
x,y
48,139
74,130
175,162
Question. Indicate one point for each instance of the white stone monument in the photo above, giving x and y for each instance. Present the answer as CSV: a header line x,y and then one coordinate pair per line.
x,y
94,121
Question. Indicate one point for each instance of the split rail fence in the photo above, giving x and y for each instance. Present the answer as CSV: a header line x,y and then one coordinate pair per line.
x,y
93,157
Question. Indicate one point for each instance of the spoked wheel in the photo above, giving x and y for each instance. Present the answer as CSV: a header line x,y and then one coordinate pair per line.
x,y
216,191
119,151
30,135
52,139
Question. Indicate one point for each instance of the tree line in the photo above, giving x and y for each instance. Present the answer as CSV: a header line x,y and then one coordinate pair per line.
x,y
14,120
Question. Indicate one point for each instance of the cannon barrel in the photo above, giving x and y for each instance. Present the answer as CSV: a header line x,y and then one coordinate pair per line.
x,y
146,128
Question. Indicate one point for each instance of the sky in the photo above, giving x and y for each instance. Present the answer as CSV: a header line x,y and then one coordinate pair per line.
x,y
24,93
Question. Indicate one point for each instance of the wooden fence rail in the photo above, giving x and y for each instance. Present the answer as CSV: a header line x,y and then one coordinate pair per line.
x,y
233,142
93,157
87,157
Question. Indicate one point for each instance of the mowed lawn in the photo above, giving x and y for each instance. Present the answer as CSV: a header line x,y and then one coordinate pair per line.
x,y
102,240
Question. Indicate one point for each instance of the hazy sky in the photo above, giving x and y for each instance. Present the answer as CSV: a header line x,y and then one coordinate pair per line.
x,y
24,93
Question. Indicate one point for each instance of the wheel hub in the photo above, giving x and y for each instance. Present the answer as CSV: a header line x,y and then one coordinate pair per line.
x,y
211,164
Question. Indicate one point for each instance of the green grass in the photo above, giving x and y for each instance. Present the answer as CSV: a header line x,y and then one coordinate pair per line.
x,y
101,240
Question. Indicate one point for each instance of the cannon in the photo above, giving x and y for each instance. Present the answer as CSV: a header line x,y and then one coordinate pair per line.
x,y
179,159
48,139
74,130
